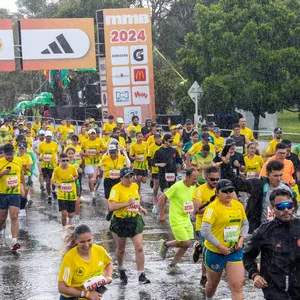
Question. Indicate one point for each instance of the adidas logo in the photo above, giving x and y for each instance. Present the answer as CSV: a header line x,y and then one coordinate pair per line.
x,y
60,45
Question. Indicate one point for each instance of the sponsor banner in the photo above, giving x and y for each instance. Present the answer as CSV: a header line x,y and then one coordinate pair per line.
x,y
7,52
128,62
57,44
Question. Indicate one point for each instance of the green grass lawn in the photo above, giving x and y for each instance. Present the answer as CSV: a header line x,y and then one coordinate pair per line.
x,y
289,122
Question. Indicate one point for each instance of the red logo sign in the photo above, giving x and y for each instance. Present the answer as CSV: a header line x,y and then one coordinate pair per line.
x,y
139,74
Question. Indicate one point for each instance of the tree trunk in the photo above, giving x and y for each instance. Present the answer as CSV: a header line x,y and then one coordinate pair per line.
x,y
256,124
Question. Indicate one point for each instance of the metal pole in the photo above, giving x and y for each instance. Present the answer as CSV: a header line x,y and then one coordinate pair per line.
x,y
196,111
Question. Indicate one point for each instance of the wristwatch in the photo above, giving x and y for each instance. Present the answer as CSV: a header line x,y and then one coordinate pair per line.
x,y
82,294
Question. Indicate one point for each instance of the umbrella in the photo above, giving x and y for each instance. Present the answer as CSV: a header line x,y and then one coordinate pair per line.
x,y
88,70
46,95
22,105
41,100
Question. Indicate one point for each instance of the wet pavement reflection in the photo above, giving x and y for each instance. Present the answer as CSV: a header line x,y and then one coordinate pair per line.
x,y
32,273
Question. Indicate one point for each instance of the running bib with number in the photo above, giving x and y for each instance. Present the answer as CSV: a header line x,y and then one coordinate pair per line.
x,y
139,158
114,174
188,208
270,214
77,156
91,152
47,157
66,187
231,234
134,207
239,149
251,174
170,177
12,182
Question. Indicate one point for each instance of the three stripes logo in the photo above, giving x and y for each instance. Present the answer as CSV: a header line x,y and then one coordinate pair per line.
x,y
59,46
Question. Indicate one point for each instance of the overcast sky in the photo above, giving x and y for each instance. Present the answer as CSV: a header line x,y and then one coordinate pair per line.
x,y
8,4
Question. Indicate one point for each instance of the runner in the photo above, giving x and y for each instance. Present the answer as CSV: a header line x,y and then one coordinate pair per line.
x,y
127,222
187,146
253,162
224,227
247,132
270,150
12,182
138,153
202,196
83,260
47,153
117,134
218,140
240,140
108,127
147,128
187,131
64,178
181,207
135,125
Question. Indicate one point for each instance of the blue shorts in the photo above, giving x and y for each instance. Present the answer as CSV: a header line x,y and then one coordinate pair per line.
x,y
200,236
216,262
65,298
7,200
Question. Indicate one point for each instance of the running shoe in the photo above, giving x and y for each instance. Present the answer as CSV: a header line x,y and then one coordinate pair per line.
x,y
123,276
143,279
49,199
163,249
109,215
172,269
15,247
197,251
203,280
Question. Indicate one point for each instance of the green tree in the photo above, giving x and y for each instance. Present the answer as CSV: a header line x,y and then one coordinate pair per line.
x,y
246,55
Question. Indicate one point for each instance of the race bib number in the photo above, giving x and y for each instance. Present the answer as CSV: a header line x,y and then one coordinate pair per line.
x,y
77,156
170,177
114,174
12,182
239,149
188,208
174,146
251,174
47,157
231,234
134,207
66,187
139,158
91,152
270,214
94,282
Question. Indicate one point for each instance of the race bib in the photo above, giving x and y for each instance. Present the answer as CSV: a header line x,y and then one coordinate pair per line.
x,y
251,174
239,149
114,174
174,146
188,208
139,158
231,234
66,187
94,282
134,207
91,152
270,214
47,157
170,177
12,182
77,156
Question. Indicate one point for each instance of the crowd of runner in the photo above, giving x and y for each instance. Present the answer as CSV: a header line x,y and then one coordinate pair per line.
x,y
234,195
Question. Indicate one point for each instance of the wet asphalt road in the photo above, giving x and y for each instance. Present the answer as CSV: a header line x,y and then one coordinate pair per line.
x,y
32,273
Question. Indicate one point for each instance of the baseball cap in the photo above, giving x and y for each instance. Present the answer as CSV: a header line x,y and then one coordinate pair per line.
x,y
173,127
205,136
188,121
278,130
3,129
230,142
91,131
178,126
224,185
114,142
91,120
8,149
112,148
48,133
120,121
42,132
125,172
217,129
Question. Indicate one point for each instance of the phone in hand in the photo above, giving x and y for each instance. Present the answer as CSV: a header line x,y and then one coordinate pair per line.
x,y
225,150
101,289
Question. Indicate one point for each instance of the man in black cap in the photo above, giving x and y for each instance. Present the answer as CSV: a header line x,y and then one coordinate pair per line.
x,y
11,181
147,128
270,151
187,131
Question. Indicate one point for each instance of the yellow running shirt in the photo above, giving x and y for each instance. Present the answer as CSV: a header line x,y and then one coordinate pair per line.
x,y
203,195
196,148
139,151
75,270
90,148
77,149
112,167
151,151
107,127
11,183
226,222
67,191
26,161
137,128
253,165
48,152
121,194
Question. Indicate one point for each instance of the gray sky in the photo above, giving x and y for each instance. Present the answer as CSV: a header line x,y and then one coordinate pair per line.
x,y
8,4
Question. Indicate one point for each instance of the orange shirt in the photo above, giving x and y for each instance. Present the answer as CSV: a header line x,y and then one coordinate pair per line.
x,y
288,170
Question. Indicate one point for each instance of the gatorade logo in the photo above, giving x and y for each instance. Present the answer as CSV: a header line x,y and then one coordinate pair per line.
x,y
138,54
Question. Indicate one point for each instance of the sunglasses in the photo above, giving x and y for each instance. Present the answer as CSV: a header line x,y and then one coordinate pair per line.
x,y
228,191
65,160
284,205
213,179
